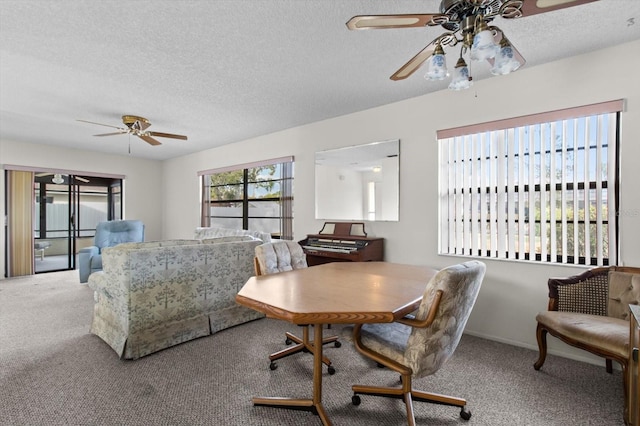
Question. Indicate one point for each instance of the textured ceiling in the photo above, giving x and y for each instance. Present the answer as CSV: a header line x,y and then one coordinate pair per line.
x,y
223,71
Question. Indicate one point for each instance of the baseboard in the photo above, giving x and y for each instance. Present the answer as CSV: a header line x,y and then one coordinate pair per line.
x,y
590,359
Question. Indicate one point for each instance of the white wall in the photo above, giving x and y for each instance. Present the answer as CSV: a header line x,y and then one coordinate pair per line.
x,y
142,184
512,293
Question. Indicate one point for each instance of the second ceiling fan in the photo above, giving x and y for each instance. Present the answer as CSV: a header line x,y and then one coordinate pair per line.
x,y
137,126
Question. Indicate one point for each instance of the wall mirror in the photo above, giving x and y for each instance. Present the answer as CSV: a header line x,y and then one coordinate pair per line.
x,y
359,182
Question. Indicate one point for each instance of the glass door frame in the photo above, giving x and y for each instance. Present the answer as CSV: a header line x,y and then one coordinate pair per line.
x,y
73,184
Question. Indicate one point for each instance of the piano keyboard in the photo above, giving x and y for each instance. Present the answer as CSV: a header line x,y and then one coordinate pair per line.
x,y
331,248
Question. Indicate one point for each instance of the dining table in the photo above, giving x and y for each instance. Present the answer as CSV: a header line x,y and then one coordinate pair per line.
x,y
334,293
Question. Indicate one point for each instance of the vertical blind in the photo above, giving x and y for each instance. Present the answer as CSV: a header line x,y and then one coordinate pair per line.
x,y
540,187
20,197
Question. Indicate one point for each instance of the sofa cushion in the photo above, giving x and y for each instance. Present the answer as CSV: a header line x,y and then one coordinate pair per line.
x,y
600,332
229,239
624,290
154,244
214,232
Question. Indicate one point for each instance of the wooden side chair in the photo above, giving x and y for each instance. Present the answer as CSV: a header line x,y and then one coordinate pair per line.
x,y
418,346
590,311
280,256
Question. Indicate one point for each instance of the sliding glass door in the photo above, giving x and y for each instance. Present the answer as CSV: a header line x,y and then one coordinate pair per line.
x,y
67,210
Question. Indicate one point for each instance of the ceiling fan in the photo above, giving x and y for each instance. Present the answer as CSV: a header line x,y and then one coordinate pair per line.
x,y
57,177
137,126
465,22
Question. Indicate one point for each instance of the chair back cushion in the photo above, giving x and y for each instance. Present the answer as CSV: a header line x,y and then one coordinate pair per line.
x,y
624,290
280,256
114,232
428,348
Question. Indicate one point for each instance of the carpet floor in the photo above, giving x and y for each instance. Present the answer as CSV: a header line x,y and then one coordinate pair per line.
x,y
54,372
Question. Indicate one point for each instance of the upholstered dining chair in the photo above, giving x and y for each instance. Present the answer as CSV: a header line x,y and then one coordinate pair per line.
x,y
279,256
417,346
108,234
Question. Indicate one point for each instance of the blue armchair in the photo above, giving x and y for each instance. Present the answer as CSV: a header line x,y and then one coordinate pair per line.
x,y
108,234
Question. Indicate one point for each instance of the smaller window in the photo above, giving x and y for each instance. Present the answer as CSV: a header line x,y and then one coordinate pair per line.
x,y
254,196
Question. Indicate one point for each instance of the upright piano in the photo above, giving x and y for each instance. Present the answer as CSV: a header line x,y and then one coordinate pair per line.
x,y
342,242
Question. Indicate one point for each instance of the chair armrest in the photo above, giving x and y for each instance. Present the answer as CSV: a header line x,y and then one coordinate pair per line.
x,y
411,320
91,251
585,293
84,261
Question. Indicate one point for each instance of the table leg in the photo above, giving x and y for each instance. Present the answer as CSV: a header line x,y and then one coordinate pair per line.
x,y
317,374
315,404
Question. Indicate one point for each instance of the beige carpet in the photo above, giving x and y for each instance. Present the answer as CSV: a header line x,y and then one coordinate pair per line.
x,y
53,372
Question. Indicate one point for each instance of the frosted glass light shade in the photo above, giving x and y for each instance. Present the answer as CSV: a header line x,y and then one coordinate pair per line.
x,y
437,67
484,46
505,62
460,78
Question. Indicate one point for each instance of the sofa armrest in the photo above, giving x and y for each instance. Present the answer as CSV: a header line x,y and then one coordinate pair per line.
x,y
586,293
97,281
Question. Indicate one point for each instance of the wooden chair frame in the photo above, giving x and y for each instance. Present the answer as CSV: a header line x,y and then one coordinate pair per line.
x,y
541,330
406,392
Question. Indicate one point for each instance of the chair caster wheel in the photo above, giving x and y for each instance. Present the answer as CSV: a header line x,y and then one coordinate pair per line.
x,y
355,400
465,414
337,344
287,341
331,370
273,366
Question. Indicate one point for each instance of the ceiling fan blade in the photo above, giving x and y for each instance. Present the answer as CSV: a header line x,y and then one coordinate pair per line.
x,y
414,63
99,124
121,132
366,22
81,179
166,135
149,140
534,7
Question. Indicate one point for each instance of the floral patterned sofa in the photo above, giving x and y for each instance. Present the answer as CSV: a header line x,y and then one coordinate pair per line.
x,y
153,295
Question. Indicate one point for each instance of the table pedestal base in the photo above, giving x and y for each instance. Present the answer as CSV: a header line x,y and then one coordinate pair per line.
x,y
314,405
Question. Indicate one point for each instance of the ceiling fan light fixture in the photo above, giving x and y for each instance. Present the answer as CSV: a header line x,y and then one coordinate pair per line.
x,y
57,178
506,61
461,79
466,23
437,65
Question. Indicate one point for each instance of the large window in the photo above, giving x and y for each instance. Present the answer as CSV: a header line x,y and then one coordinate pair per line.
x,y
257,196
540,188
